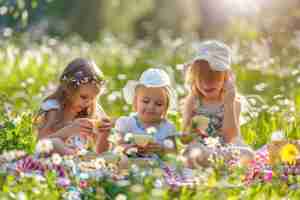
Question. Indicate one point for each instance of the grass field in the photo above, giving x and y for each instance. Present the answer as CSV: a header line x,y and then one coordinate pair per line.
x,y
268,79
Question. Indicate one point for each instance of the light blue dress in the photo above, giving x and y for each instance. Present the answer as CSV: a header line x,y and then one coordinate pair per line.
x,y
131,124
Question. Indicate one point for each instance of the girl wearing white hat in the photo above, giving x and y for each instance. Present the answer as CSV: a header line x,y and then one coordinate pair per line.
x,y
212,92
212,104
151,97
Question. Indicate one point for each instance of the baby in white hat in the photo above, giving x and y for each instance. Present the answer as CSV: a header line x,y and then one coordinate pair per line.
x,y
212,93
151,97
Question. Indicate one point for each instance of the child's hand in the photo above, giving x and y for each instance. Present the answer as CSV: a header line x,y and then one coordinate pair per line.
x,y
80,126
103,131
188,137
150,148
105,126
230,90
201,133
154,147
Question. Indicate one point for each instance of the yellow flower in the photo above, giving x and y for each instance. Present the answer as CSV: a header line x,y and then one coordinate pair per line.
x,y
289,153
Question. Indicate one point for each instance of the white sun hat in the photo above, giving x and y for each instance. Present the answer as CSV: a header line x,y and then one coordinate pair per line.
x,y
154,78
216,53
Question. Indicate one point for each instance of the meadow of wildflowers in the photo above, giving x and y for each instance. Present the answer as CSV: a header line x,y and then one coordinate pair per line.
x,y
268,81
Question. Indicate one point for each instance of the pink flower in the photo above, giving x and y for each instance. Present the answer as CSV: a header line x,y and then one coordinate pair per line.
x,y
268,175
83,184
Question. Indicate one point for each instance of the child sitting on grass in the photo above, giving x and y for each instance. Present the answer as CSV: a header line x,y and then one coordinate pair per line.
x,y
212,100
68,115
151,98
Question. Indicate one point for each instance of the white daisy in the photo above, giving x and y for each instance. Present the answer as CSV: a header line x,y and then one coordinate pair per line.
x,y
277,136
44,146
56,159
212,142
151,130
128,137
121,197
169,144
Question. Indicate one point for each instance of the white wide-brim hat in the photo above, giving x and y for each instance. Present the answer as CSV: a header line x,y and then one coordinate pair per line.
x,y
154,78
216,53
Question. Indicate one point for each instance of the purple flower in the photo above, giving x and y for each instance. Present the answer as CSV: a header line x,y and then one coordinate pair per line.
x,y
59,170
284,177
297,170
63,182
28,164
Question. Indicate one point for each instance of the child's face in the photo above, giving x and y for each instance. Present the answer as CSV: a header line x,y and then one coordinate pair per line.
x,y
151,104
209,82
84,97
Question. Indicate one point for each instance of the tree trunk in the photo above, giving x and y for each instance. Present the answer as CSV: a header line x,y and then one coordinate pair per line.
x,y
86,18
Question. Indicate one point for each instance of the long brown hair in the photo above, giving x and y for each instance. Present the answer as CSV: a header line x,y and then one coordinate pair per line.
x,y
78,71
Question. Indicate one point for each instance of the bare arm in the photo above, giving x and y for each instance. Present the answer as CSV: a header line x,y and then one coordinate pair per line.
x,y
54,129
188,111
231,125
47,128
102,143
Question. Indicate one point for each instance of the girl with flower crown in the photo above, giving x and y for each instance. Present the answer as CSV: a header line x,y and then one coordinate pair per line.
x,y
67,117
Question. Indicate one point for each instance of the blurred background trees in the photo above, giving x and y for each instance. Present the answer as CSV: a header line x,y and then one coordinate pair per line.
x,y
136,19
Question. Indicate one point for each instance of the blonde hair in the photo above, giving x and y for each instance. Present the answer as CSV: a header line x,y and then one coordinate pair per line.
x,y
78,71
140,87
193,76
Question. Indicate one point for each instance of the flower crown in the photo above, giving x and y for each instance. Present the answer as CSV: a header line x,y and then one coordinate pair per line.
x,y
80,78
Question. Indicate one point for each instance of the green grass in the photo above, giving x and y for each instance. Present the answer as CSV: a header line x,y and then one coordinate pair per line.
x,y
29,70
